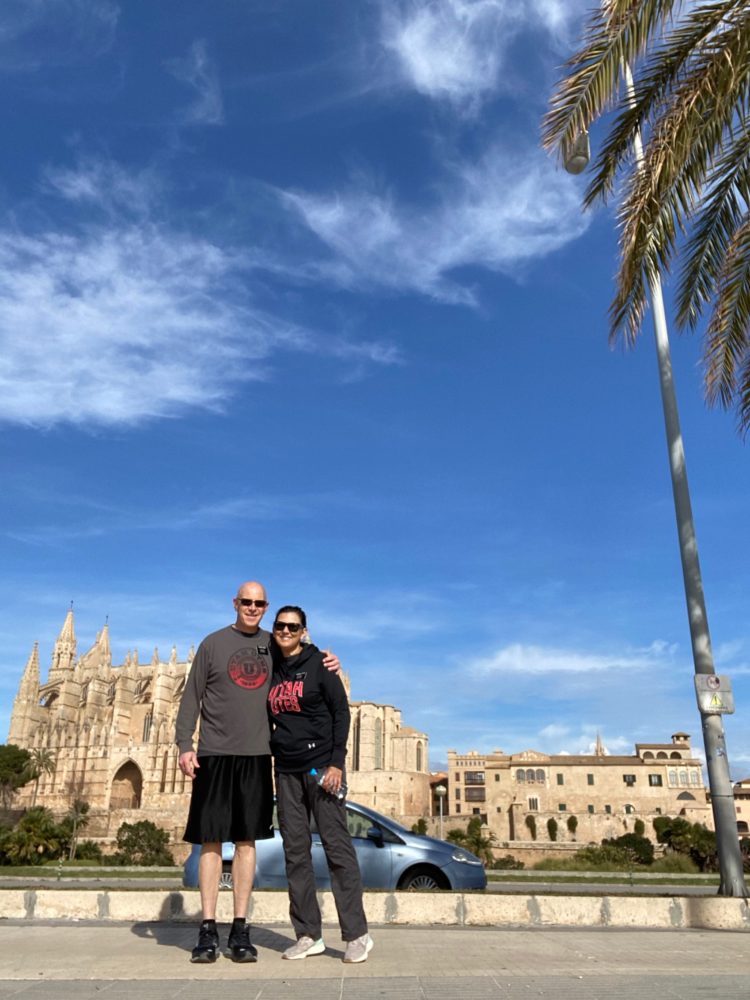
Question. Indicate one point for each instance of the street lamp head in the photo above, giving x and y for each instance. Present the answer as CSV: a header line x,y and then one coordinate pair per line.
x,y
440,791
577,154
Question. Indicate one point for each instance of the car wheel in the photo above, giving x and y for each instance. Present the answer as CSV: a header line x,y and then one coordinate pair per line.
x,y
225,880
423,878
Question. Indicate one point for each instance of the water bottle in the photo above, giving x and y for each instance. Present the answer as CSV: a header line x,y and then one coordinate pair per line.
x,y
320,778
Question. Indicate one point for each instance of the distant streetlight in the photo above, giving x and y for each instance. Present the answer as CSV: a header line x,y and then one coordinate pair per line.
x,y
732,883
441,791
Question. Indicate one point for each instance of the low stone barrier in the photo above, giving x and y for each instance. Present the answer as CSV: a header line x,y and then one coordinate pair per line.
x,y
447,909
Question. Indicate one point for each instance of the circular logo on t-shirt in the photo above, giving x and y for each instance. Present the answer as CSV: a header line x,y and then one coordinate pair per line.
x,y
247,668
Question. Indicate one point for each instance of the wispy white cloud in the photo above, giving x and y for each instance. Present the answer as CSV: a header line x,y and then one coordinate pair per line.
x,y
37,33
530,660
198,72
121,320
508,208
455,50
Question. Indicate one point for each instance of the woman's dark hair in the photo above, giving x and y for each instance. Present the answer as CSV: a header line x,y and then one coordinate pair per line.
x,y
295,611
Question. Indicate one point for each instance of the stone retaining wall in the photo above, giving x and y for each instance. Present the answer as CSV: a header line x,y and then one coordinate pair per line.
x,y
530,910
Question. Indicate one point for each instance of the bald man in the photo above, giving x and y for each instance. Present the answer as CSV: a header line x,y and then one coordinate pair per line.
x,y
232,793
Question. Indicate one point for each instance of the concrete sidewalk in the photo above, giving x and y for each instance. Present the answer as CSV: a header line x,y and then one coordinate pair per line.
x,y
141,961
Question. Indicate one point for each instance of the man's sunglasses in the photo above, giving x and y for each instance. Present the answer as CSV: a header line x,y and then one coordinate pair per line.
x,y
293,627
248,602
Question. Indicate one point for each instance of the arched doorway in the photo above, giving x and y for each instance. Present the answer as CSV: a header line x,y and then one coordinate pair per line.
x,y
127,786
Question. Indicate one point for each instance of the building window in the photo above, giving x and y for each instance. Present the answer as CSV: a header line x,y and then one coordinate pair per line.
x,y
683,778
539,776
147,727
457,777
608,810
458,808
695,778
533,804
419,755
475,795
591,810
654,780
562,807
474,778
530,775
458,793
561,779
355,744
498,809
520,775
658,810
497,777
589,779
629,809
629,779
672,777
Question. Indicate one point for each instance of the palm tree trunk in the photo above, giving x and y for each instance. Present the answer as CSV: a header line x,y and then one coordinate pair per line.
x,y
732,881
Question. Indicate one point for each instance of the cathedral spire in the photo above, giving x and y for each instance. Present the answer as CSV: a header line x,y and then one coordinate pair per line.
x,y
64,652
29,687
599,750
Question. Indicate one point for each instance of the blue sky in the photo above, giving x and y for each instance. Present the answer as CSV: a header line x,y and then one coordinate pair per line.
x,y
289,291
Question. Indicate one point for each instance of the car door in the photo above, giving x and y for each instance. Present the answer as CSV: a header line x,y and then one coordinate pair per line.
x,y
374,855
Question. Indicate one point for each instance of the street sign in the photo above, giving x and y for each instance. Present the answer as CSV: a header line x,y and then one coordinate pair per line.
x,y
714,692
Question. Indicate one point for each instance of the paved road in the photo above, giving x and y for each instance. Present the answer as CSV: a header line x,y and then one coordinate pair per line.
x,y
150,962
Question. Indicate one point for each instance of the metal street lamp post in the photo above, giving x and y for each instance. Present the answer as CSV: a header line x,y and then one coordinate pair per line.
x,y
441,791
732,881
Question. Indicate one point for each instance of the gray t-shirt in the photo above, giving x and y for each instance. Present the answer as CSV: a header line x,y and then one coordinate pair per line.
x,y
228,686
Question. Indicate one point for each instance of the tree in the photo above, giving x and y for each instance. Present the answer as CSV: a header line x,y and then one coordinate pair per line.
x,y
692,839
639,850
41,762
143,843
572,825
36,838
76,819
14,771
692,87
420,827
531,824
474,840
552,828
639,828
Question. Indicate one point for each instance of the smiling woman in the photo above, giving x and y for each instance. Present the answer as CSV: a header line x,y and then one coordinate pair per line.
x,y
309,713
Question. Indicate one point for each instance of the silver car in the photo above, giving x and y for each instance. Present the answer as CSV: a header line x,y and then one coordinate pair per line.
x,y
389,856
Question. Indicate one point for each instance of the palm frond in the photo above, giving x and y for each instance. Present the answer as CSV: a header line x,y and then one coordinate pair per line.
x,y
716,223
615,34
727,350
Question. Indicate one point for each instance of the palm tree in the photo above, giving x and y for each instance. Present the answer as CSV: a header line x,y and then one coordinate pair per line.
x,y
690,103
674,183
42,762
474,840
77,817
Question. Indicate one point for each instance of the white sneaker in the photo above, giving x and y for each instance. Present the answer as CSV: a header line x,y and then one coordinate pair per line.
x,y
358,949
305,946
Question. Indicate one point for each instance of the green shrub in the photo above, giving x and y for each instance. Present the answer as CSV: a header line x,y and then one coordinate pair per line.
x,y
420,827
639,850
531,824
142,843
552,828
507,863
87,850
639,828
675,864
572,824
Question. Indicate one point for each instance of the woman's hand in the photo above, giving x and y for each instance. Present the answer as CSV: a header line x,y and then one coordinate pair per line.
x,y
332,780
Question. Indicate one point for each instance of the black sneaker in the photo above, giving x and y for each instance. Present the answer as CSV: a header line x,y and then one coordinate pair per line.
x,y
207,949
241,949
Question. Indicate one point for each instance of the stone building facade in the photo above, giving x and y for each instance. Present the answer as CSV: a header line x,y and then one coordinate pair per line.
x,y
110,730
589,796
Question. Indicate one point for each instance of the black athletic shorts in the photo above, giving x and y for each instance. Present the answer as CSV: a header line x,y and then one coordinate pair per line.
x,y
232,799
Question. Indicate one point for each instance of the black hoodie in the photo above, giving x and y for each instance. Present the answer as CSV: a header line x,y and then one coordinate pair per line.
x,y
309,712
